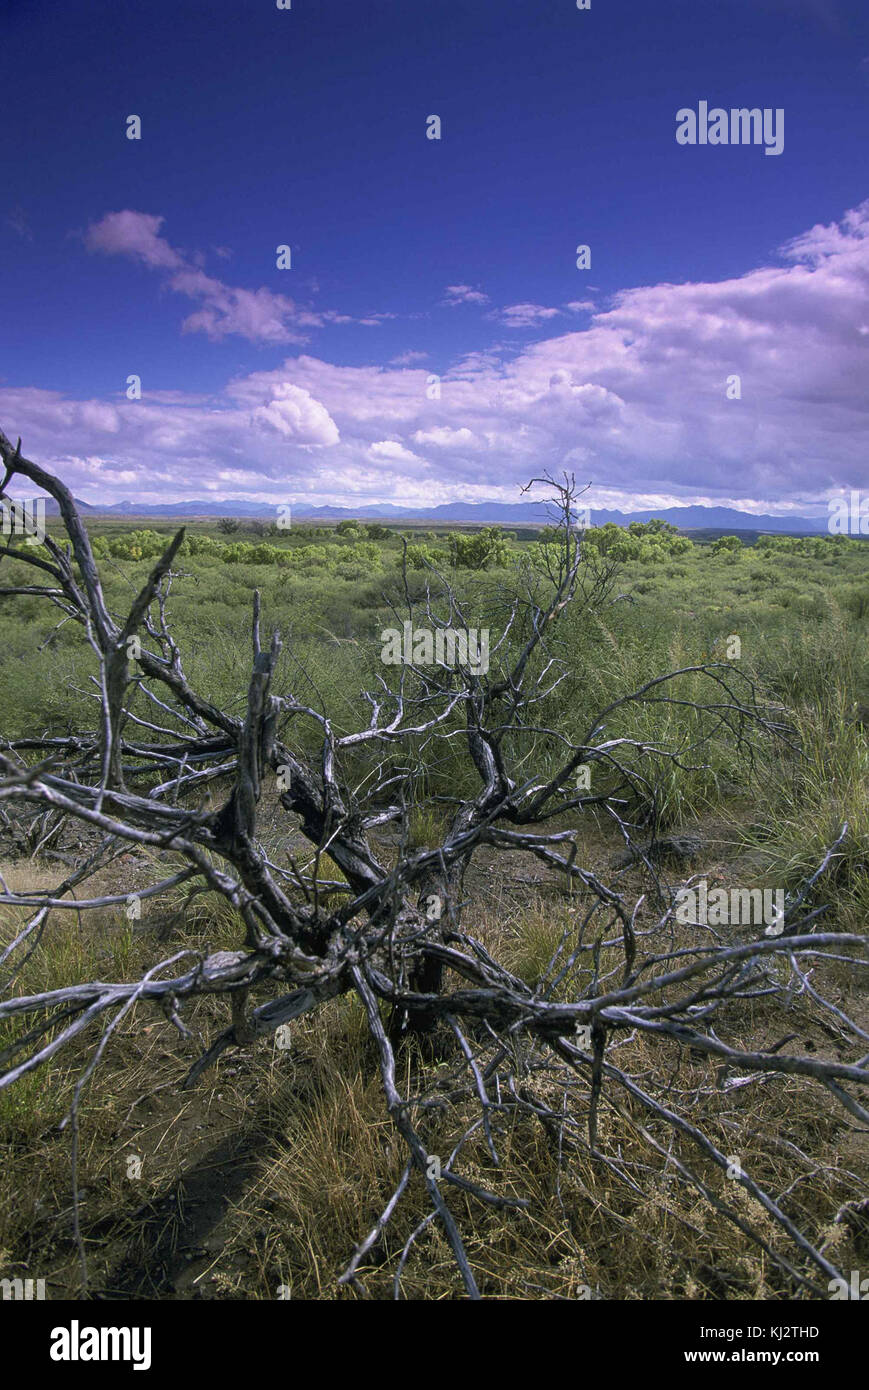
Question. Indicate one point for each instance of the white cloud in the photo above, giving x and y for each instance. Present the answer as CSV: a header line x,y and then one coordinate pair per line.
x,y
134,234
636,401
393,452
294,413
525,315
260,316
445,438
464,294
100,417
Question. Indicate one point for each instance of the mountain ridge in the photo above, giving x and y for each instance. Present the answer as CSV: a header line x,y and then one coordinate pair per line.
x,y
478,513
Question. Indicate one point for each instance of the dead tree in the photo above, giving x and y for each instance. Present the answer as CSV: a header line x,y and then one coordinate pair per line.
x,y
399,926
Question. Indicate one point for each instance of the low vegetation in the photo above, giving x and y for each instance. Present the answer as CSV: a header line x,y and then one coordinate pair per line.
x,y
567,1178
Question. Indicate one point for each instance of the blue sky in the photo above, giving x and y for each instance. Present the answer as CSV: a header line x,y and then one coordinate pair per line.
x,y
454,258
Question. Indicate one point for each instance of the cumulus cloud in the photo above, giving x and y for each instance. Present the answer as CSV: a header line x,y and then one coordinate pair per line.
x,y
392,451
293,413
642,401
464,294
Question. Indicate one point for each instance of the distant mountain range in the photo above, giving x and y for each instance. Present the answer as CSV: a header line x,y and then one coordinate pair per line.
x,y
476,513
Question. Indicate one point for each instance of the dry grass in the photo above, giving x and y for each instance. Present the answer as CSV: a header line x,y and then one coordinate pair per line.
x,y
258,1183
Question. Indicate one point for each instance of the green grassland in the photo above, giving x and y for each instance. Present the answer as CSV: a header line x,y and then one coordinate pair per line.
x,y
298,1142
